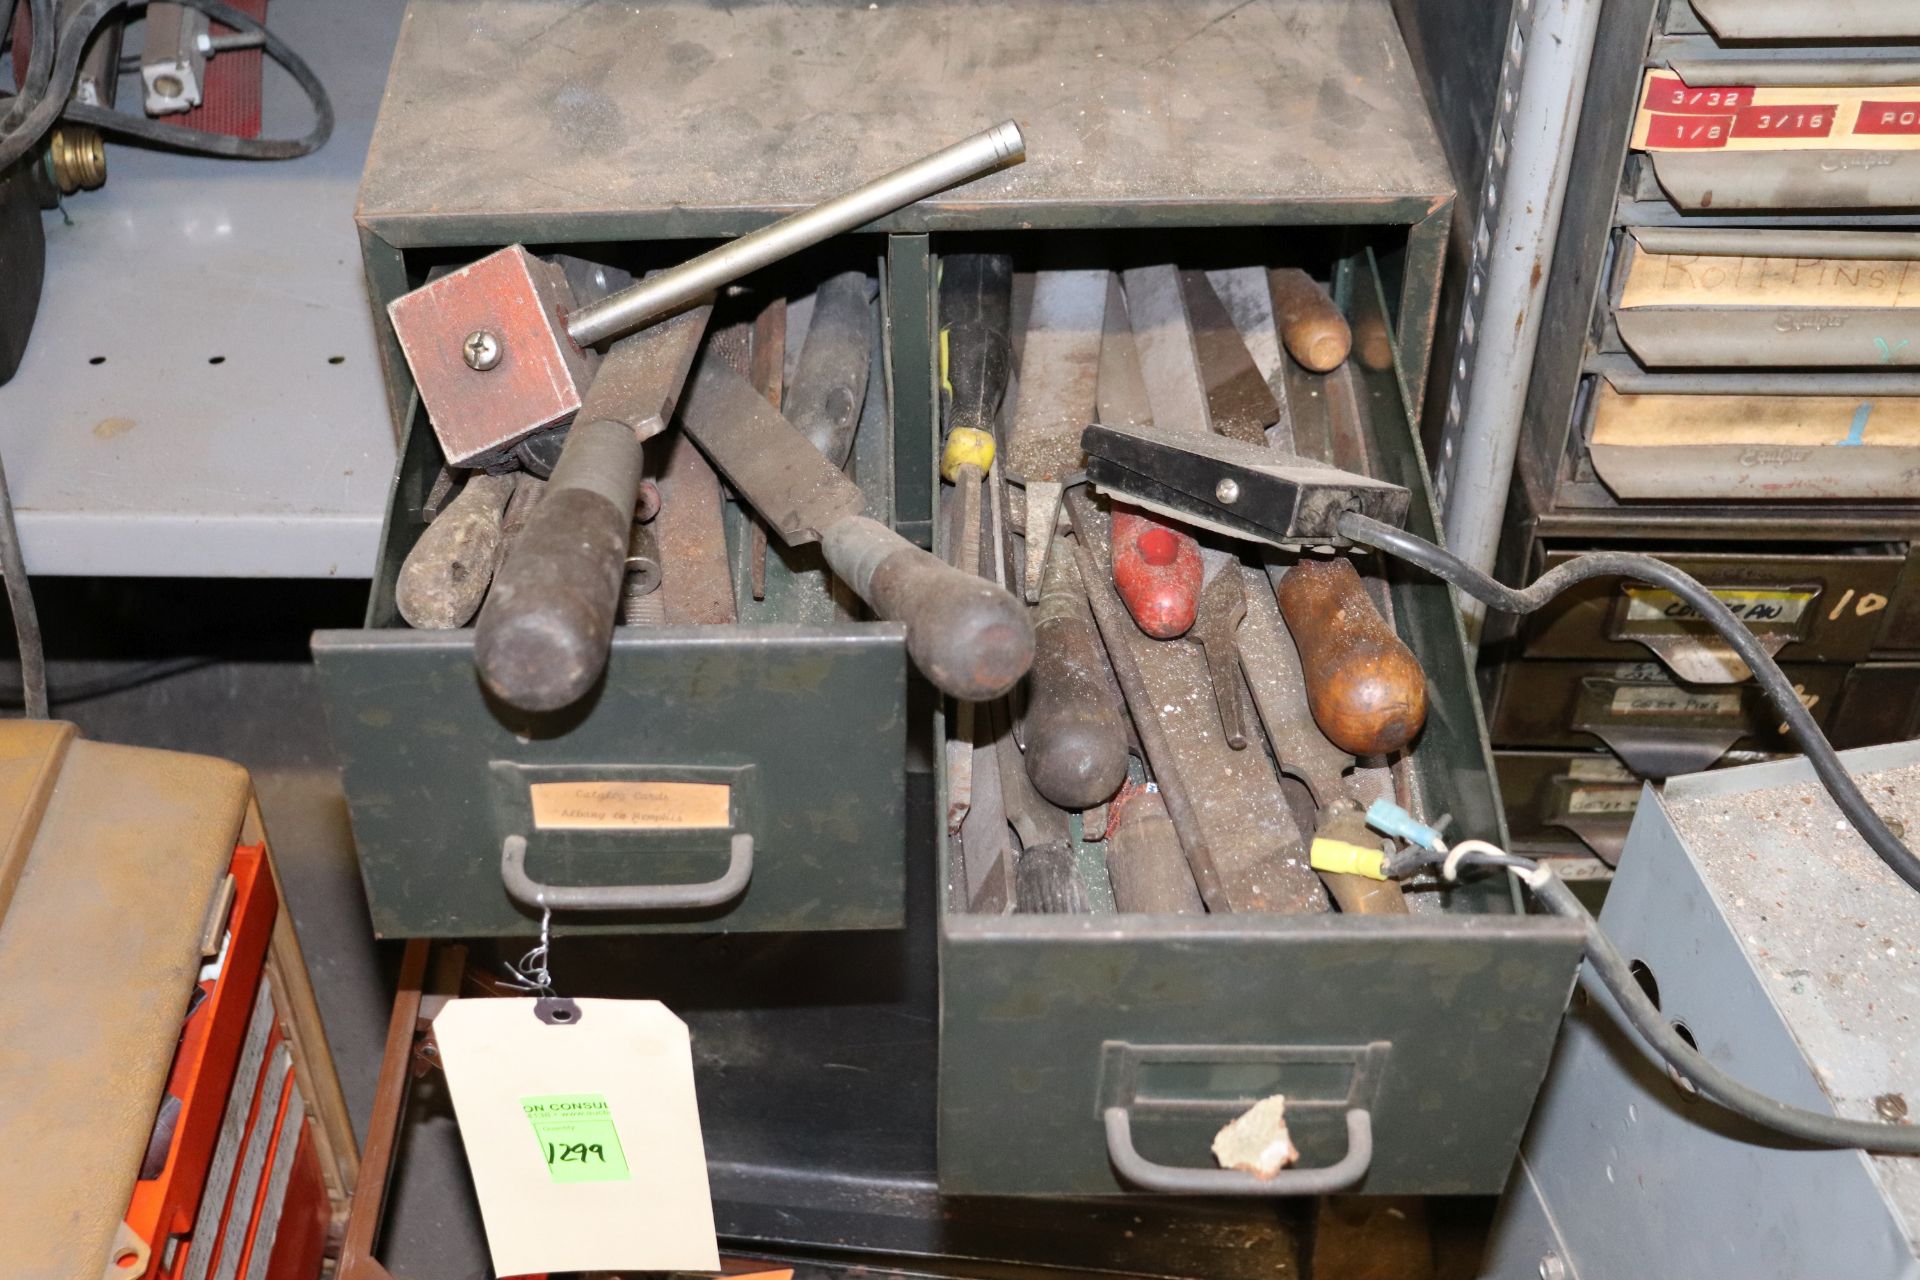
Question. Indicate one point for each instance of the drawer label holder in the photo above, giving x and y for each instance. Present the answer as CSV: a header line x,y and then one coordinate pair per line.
x,y
628,804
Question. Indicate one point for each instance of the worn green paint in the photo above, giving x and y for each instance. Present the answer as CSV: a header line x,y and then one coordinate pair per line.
x,y
910,346
808,724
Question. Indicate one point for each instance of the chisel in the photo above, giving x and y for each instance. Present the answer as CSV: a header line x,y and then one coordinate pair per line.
x,y
1059,379
542,637
1315,332
830,383
1075,725
969,637
445,575
1364,686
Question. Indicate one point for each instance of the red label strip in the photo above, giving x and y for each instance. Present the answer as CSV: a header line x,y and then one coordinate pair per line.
x,y
1888,117
1785,120
1677,132
1666,93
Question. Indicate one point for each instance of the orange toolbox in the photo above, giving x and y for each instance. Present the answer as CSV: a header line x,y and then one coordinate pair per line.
x,y
164,1084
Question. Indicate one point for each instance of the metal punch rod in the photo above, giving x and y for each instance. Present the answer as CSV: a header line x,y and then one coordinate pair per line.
x,y
623,312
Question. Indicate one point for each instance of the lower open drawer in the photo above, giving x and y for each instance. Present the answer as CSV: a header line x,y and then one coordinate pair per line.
x,y
1099,1054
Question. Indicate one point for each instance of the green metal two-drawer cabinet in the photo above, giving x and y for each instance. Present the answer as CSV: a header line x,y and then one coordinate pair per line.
x,y
1209,133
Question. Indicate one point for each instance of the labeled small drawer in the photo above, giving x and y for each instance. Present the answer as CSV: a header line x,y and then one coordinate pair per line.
x,y
1565,802
1780,134
1796,20
1658,725
1803,608
1880,702
1099,1054
1678,438
1739,298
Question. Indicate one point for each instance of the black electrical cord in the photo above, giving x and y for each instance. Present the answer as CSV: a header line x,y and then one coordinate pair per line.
x,y
1626,564
1607,965
1610,969
34,112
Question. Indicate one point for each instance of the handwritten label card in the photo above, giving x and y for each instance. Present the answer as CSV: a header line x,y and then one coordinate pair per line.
x,y
626,805
583,1137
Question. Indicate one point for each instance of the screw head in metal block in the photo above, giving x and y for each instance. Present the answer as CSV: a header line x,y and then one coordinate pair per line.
x,y
1227,492
483,402
482,350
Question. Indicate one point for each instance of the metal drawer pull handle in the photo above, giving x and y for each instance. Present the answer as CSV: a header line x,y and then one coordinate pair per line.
x,y
529,892
1144,1173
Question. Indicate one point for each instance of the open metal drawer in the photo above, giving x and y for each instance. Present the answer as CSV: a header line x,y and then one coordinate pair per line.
x,y
1099,1054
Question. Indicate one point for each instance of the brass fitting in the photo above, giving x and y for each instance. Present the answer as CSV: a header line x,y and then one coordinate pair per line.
x,y
76,158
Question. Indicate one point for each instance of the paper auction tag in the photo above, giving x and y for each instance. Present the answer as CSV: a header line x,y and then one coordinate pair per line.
x,y
583,1135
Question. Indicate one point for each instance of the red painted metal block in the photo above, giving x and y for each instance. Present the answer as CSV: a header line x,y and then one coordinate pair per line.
x,y
539,376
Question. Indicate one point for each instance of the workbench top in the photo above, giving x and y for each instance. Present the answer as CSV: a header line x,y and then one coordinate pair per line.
x,y
515,118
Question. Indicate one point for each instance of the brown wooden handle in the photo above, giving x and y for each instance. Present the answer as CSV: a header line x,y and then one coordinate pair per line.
x,y
1315,332
1364,687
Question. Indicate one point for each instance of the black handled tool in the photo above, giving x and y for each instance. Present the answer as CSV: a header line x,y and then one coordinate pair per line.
x,y
1076,727
543,634
970,637
830,381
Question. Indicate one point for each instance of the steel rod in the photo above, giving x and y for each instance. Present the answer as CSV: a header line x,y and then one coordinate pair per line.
x,y
657,295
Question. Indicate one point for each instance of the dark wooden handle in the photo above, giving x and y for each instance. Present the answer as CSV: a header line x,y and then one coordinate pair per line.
x,y
1315,332
1157,572
1045,881
1364,687
543,634
968,636
1076,727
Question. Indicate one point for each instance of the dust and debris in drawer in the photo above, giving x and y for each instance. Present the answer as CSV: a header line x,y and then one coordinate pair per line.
x,y
1129,966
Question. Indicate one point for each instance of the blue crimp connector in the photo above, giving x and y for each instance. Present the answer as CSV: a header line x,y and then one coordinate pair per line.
x,y
1390,819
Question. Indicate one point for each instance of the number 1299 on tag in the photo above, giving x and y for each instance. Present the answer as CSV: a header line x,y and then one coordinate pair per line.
x,y
577,1137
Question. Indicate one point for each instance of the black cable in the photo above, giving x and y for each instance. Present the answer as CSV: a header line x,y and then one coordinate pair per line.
x,y
52,103
26,619
1626,564
1813,1127
68,693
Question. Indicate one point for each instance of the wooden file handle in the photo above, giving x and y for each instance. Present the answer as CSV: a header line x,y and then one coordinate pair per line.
x,y
1364,687
1315,332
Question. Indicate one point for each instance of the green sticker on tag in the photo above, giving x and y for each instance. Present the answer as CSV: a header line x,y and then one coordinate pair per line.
x,y
577,1137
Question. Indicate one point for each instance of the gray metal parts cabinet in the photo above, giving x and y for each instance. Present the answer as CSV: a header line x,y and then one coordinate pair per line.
x,y
1285,133
1725,364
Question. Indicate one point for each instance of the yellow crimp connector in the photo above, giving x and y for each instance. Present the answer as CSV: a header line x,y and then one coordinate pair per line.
x,y
966,447
1351,859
